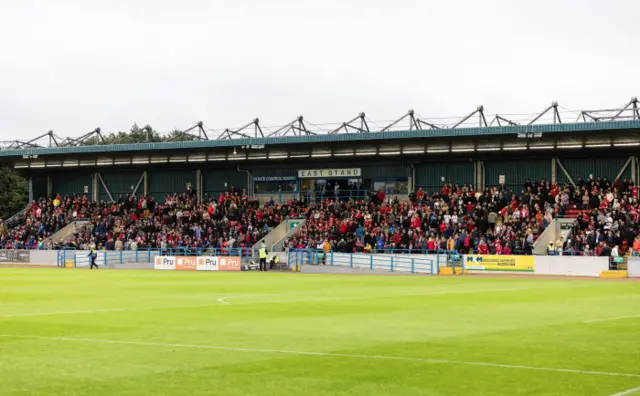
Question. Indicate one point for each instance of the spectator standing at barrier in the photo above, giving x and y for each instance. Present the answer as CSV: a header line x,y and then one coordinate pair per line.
x,y
615,252
262,252
559,245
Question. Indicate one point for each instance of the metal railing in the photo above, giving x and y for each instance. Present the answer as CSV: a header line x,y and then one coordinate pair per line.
x,y
70,257
13,219
398,262
342,195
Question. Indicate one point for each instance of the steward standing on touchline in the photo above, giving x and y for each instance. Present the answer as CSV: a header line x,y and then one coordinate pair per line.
x,y
93,254
263,257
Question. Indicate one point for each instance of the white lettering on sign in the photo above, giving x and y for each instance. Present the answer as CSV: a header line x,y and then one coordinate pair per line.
x,y
164,263
207,263
326,173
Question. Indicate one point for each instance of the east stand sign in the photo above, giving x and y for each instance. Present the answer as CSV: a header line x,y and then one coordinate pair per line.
x,y
326,173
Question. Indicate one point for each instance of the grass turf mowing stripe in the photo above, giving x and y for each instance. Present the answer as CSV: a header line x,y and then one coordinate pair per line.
x,y
310,353
221,301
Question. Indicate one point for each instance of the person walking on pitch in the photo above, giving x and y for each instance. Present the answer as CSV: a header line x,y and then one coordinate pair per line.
x,y
93,255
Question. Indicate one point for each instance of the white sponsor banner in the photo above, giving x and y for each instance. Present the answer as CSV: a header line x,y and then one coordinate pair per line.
x,y
164,263
207,263
322,173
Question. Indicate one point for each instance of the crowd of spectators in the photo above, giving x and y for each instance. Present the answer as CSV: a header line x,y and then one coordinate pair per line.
x,y
452,218
607,218
494,221
229,221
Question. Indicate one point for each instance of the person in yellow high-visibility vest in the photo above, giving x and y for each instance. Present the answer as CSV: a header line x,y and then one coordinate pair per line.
x,y
263,257
93,254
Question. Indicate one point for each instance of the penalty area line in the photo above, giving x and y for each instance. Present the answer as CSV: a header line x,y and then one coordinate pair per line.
x,y
326,354
610,319
627,392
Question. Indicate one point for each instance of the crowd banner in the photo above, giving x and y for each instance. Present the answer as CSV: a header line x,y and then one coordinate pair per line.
x,y
186,263
475,262
229,263
205,263
164,263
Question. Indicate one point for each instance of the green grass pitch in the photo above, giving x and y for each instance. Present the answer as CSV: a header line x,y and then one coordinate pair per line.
x,y
80,332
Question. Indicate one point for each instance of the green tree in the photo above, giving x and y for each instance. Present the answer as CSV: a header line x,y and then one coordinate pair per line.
x,y
14,192
178,136
140,135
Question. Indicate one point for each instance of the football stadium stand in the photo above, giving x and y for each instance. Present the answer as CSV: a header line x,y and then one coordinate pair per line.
x,y
490,189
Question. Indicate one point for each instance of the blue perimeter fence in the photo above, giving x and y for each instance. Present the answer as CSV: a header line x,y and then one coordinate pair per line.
x,y
412,263
397,261
111,258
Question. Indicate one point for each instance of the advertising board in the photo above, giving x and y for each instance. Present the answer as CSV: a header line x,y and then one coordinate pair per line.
x,y
206,263
229,263
15,256
201,263
186,263
474,262
164,263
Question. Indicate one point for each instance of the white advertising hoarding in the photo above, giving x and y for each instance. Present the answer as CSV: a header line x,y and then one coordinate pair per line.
x,y
164,263
206,263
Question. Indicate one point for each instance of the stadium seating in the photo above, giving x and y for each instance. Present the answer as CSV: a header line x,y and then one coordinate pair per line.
x,y
494,221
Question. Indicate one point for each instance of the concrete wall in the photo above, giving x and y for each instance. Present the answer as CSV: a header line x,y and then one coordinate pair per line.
x,y
570,265
633,267
280,236
29,257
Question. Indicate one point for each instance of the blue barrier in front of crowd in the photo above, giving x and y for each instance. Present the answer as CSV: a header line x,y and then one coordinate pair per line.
x,y
413,263
111,258
237,252
108,258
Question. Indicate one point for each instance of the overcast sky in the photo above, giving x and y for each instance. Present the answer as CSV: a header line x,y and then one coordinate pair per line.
x,y
71,66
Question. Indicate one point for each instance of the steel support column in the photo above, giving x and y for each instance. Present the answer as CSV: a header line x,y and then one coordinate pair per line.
x,y
199,185
106,189
30,189
49,185
626,164
146,183
565,173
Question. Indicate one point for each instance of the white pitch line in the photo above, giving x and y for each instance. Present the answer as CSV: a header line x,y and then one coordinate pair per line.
x,y
65,312
627,392
324,354
256,302
608,319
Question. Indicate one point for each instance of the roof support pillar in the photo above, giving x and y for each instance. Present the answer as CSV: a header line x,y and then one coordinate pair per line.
x,y
104,185
479,176
146,183
626,164
565,173
95,187
30,189
199,185
49,185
